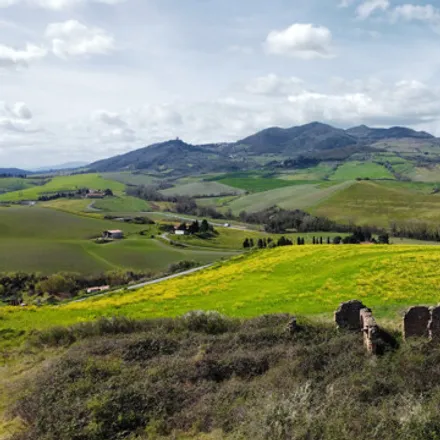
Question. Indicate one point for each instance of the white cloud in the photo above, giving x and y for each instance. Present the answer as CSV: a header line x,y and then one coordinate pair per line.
x,y
367,8
304,41
72,38
425,13
55,5
11,57
15,118
109,118
274,85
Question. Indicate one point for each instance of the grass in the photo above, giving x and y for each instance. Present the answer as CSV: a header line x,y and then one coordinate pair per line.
x,y
363,170
255,183
128,178
122,204
233,238
202,189
47,241
319,172
303,280
8,184
301,196
64,183
376,203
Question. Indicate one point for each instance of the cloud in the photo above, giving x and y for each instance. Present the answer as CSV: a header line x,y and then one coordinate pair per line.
x,y
72,38
304,41
273,85
109,118
367,8
15,118
55,5
425,13
11,57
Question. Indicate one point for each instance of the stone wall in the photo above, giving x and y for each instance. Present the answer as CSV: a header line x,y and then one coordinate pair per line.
x,y
422,322
347,315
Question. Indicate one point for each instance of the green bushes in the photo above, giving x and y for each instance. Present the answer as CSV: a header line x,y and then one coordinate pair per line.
x,y
205,373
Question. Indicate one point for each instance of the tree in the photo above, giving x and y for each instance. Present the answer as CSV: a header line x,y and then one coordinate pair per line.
x,y
320,240
246,244
298,241
314,240
260,243
337,240
194,227
204,227
251,242
384,239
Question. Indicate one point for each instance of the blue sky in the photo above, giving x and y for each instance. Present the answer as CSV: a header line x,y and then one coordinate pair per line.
x,y
87,79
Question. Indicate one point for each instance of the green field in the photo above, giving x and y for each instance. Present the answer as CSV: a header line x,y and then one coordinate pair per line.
x,y
47,241
130,178
300,196
320,172
303,280
8,184
362,170
64,183
374,203
202,189
255,183
121,204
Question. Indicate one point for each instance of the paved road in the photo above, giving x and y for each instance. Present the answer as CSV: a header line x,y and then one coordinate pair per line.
x,y
147,283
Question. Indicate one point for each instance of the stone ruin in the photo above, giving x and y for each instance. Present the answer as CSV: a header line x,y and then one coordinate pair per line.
x,y
370,330
347,315
422,322
354,316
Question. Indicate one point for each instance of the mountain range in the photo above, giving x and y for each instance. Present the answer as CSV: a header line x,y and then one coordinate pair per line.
x,y
316,141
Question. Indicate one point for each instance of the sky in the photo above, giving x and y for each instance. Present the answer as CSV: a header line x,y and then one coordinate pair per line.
x,y
81,80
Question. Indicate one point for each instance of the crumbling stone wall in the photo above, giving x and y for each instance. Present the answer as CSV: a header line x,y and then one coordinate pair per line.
x,y
434,324
416,322
347,315
370,330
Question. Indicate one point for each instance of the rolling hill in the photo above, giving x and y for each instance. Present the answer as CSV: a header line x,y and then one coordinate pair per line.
x,y
271,146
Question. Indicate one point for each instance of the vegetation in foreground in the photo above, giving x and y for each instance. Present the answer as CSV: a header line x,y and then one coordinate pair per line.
x,y
204,376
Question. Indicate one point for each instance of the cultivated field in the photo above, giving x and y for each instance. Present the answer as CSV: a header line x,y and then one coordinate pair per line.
x,y
202,189
354,170
44,240
373,203
291,197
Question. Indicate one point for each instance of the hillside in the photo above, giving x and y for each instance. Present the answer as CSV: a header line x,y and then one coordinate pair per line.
x,y
204,376
317,141
304,280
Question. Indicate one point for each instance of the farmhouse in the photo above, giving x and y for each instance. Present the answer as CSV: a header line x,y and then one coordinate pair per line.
x,y
92,194
115,234
179,232
98,289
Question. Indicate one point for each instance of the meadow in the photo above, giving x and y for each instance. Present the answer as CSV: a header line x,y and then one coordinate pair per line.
x,y
380,203
302,280
362,170
300,196
43,240
202,189
64,183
